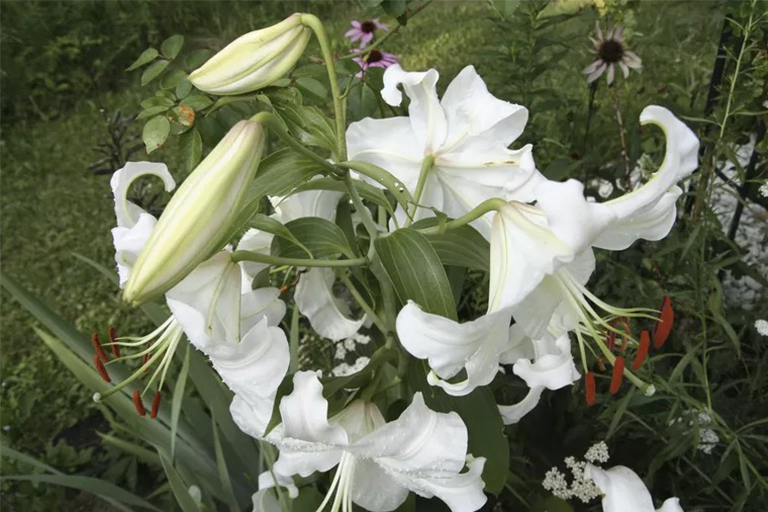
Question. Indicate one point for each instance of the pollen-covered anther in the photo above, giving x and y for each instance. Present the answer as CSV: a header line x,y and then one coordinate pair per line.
x,y
590,388
618,375
138,404
610,340
100,368
155,405
642,350
664,327
112,333
99,349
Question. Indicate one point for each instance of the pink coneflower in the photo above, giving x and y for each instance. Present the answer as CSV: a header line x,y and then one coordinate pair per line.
x,y
610,51
364,30
374,59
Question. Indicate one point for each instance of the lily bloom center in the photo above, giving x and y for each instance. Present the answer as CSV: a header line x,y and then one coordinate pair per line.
x,y
368,27
611,51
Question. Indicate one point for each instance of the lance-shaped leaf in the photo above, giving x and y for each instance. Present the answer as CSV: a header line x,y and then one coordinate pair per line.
x,y
322,238
460,247
416,272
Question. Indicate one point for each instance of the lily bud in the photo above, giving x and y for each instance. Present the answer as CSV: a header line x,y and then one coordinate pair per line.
x,y
198,215
254,60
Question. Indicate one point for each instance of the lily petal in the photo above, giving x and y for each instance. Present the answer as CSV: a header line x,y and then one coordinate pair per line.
x,y
622,489
327,314
255,241
462,492
552,367
477,120
523,252
310,443
127,213
425,113
449,346
512,414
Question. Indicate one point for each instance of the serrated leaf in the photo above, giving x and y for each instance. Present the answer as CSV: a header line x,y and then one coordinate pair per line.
x,y
153,71
155,132
416,271
146,57
172,46
323,239
461,247
191,149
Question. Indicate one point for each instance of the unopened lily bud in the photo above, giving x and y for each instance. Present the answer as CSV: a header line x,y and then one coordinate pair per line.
x,y
254,60
200,213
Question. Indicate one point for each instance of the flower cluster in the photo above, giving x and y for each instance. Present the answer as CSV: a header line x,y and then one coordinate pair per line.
x,y
620,487
449,158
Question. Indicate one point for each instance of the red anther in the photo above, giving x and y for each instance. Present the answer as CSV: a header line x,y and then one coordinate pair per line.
x,y
283,289
617,375
664,327
113,341
642,350
610,340
97,346
138,404
155,405
100,368
590,388
144,361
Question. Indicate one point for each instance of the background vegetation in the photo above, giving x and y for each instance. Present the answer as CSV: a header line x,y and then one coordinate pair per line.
x,y
64,89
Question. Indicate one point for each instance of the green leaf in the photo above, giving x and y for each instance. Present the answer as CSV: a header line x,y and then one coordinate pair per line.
x,y
177,400
191,145
561,168
151,112
228,100
366,191
221,463
197,58
155,132
153,71
312,89
323,239
157,101
178,487
461,247
172,46
481,416
142,453
183,88
505,8
146,57
394,8
101,488
362,101
197,101
416,272
385,179
308,124
270,225
172,78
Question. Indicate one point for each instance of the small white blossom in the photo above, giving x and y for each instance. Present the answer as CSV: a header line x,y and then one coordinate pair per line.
x,y
762,327
582,486
764,189
597,453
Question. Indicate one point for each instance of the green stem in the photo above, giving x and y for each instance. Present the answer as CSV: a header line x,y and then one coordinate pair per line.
x,y
238,256
316,25
274,123
294,341
486,206
426,166
363,304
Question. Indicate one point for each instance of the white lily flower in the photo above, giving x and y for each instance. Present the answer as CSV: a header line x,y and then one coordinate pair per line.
x,y
328,315
544,363
450,347
209,305
378,463
548,275
624,491
467,133
133,223
203,208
